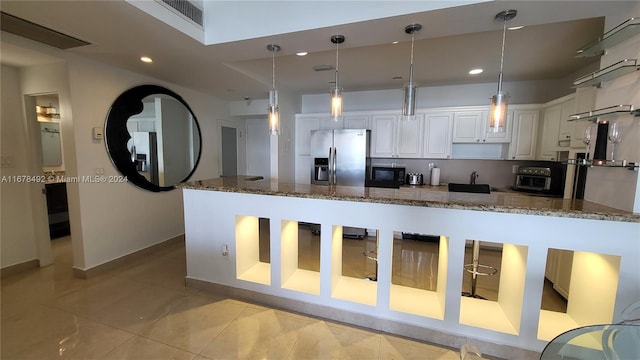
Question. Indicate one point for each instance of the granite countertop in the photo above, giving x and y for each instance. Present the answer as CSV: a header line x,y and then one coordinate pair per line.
x,y
429,196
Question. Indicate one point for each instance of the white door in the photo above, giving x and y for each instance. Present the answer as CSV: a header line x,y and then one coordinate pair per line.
x,y
258,148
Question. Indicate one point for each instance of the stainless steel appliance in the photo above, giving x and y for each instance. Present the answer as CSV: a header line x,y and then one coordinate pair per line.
x,y
414,179
386,176
541,180
340,157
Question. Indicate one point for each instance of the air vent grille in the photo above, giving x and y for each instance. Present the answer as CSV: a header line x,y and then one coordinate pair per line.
x,y
187,9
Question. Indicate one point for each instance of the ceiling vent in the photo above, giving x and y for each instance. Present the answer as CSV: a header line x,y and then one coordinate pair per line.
x,y
187,9
39,33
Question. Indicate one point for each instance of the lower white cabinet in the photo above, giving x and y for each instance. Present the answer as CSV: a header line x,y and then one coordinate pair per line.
x,y
524,136
558,270
438,132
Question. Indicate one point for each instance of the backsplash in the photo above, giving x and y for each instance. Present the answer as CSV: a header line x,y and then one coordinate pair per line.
x,y
497,173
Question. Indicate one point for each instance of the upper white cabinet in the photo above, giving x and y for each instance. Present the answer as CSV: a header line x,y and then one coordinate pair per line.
x,y
556,129
472,127
438,132
356,121
304,125
525,130
393,137
565,131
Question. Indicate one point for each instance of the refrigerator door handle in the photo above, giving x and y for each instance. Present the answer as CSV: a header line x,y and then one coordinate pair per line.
x,y
335,165
329,166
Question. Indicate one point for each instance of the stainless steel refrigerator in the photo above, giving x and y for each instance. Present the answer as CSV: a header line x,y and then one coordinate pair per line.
x,y
340,157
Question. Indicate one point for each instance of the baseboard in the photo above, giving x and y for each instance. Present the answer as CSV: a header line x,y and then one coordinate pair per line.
x,y
115,263
18,268
452,341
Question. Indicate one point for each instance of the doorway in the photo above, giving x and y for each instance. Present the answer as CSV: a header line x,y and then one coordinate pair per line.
x,y
229,143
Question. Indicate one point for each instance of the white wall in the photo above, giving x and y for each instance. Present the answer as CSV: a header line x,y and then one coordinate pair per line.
x,y
17,241
523,92
109,220
619,188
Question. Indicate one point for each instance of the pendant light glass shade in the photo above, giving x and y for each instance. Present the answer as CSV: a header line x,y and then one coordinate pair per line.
x,y
273,112
410,88
336,92
498,113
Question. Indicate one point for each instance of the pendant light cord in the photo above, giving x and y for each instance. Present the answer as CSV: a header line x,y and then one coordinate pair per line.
x,y
504,34
337,62
411,64
273,69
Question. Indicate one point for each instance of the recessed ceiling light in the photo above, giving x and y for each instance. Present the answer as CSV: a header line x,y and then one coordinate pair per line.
x,y
395,42
146,59
515,28
302,53
396,78
475,71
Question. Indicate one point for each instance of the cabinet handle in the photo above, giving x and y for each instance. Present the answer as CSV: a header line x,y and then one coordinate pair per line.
x,y
483,140
478,140
513,157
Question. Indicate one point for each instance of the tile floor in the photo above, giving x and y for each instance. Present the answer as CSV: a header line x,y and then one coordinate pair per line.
x,y
143,311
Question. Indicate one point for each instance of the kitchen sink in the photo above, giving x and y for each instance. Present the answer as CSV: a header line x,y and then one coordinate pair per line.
x,y
470,188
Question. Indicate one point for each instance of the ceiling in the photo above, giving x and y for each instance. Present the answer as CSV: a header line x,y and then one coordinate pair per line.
x,y
451,42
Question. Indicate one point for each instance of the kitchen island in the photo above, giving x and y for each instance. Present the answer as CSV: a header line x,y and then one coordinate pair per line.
x,y
223,253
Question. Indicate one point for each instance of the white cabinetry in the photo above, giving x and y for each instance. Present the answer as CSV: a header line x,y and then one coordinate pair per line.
x,y
472,127
438,130
356,121
556,129
523,139
396,138
558,270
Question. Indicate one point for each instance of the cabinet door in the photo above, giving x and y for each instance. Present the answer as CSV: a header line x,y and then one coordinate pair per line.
x,y
563,272
410,134
383,135
550,128
525,128
467,126
356,122
437,135
551,269
497,137
326,123
564,131
304,126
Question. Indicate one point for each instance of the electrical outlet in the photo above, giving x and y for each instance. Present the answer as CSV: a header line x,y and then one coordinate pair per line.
x,y
99,171
514,169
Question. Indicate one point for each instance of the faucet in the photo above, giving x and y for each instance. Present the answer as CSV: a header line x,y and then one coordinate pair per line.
x,y
474,176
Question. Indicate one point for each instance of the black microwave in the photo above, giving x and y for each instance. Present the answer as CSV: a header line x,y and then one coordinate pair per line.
x,y
385,176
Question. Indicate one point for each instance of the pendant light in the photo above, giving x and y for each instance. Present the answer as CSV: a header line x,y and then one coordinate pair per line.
x,y
273,112
336,91
411,88
498,114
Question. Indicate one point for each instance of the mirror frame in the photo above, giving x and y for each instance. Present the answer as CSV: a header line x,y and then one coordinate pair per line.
x,y
117,135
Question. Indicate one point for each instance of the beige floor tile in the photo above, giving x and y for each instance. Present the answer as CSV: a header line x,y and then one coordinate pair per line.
x,y
193,323
257,333
392,347
132,313
46,333
139,348
323,340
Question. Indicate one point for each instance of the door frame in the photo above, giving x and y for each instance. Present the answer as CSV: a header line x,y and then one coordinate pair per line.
x,y
238,127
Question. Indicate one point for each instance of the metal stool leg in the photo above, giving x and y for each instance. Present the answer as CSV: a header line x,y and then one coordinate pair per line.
x,y
474,269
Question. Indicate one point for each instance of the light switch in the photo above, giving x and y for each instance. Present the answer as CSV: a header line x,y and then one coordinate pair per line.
x,y
97,133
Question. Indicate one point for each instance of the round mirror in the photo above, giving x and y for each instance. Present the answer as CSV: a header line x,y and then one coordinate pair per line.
x,y
153,137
